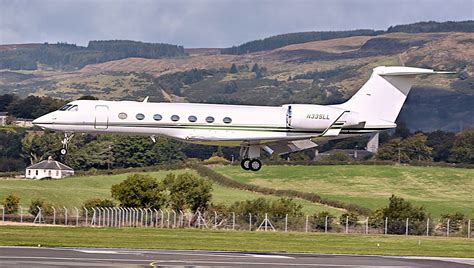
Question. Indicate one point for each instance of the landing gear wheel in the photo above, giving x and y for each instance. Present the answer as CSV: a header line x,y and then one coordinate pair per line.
x,y
255,165
63,151
245,164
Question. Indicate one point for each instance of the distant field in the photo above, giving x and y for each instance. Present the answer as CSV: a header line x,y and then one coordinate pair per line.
x,y
235,240
73,191
440,190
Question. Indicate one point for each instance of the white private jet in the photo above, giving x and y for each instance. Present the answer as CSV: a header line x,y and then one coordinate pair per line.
x,y
284,129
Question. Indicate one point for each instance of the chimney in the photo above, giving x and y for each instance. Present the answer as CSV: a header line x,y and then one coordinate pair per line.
x,y
50,159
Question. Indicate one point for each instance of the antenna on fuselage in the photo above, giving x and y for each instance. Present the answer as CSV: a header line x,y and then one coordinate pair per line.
x,y
146,99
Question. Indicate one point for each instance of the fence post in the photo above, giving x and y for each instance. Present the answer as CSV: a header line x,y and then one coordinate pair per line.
x,y
428,227
367,225
87,212
21,214
174,219
215,219
77,216
65,215
99,216
406,228
156,217
167,219
250,221
3,213
326,224
286,223
386,225
306,224
162,216
347,224
447,228
469,228
146,217
233,220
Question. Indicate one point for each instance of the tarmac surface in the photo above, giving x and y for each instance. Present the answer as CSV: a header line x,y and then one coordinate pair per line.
x,y
87,257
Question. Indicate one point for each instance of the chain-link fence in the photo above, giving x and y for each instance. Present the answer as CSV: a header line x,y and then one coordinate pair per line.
x,y
119,217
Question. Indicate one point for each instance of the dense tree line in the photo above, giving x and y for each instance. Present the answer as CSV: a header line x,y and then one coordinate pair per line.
x,y
68,56
282,40
30,107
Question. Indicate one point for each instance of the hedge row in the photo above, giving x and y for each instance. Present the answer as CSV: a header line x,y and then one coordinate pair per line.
x,y
312,197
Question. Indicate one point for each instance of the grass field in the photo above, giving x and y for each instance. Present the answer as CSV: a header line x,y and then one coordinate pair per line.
x,y
73,191
233,240
439,189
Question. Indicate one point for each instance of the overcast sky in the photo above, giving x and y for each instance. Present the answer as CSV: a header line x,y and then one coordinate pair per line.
x,y
208,23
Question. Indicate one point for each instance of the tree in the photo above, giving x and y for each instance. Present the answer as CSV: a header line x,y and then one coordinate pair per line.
x,y
463,147
410,149
255,68
139,191
46,207
95,154
233,69
401,131
442,143
11,203
135,151
186,191
455,221
37,147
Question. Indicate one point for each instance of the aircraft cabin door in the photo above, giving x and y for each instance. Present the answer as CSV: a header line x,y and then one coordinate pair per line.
x,y
101,117
288,117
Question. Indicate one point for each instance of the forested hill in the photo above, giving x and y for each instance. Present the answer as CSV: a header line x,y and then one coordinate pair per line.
x,y
282,40
71,56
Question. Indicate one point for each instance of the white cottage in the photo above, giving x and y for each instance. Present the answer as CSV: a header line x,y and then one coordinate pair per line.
x,y
48,169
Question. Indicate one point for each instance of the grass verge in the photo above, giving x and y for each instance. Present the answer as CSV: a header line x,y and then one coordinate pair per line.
x,y
190,239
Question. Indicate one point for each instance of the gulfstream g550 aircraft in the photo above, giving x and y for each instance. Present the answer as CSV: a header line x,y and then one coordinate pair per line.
x,y
280,130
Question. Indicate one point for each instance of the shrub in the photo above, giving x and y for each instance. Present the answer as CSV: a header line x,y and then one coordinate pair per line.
x,y
98,203
351,217
43,204
11,203
320,220
140,191
455,221
337,157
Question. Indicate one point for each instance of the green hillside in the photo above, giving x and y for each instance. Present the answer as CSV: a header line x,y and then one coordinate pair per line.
x,y
73,191
440,190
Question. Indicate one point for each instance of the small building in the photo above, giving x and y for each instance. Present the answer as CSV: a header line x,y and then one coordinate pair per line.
x,y
3,118
23,122
48,169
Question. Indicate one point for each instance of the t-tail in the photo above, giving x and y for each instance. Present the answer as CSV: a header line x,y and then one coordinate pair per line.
x,y
383,95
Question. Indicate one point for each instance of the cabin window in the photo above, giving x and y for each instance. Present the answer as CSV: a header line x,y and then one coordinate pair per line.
x,y
157,117
122,116
192,118
209,119
140,116
227,120
65,107
174,118
73,108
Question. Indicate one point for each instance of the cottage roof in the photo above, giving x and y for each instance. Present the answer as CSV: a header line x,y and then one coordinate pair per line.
x,y
3,113
50,164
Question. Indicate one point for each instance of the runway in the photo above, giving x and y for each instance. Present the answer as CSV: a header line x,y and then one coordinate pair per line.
x,y
86,257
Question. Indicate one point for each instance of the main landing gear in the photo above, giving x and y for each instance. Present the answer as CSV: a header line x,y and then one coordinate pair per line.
x,y
250,155
67,138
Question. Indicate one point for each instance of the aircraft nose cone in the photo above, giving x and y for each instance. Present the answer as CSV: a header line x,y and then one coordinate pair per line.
x,y
43,120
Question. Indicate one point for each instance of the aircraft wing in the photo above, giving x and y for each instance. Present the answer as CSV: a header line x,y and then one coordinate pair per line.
x,y
284,147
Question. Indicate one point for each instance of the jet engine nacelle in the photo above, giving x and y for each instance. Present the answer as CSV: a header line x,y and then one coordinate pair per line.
x,y
314,117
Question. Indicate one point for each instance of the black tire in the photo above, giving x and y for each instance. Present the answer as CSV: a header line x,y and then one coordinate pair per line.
x,y
245,164
255,165
63,151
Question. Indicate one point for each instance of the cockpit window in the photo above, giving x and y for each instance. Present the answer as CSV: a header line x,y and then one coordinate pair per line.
x,y
65,107
73,108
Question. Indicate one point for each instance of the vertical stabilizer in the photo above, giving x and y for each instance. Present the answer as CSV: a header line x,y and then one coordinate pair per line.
x,y
383,95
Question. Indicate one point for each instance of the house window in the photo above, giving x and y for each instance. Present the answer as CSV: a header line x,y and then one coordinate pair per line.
x,y
157,117
140,116
227,120
174,118
192,118
29,171
57,173
37,172
209,119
